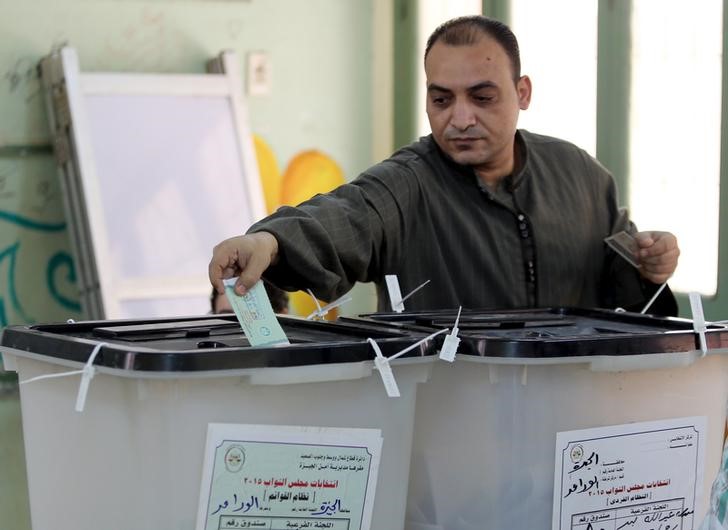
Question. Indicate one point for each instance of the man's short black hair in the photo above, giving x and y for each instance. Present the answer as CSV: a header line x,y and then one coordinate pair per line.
x,y
464,31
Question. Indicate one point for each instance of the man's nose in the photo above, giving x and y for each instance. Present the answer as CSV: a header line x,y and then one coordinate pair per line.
x,y
462,116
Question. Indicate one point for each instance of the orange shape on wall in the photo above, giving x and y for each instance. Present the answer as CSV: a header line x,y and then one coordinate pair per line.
x,y
270,175
308,173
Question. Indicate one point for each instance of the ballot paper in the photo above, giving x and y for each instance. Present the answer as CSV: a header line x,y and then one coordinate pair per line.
x,y
255,314
625,245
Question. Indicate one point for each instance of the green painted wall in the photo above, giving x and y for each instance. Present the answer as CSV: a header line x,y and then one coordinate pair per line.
x,y
406,66
498,9
613,78
14,509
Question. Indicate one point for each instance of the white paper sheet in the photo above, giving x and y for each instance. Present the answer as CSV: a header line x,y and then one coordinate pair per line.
x,y
637,476
283,477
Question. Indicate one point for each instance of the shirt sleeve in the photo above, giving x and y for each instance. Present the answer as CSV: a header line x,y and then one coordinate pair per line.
x,y
333,240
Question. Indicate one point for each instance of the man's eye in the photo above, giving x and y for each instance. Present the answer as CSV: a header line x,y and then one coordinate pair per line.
x,y
440,101
483,99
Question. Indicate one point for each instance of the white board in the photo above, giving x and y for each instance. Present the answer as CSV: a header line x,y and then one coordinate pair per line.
x,y
164,169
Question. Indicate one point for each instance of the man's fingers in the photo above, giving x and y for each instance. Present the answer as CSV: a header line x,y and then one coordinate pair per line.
x,y
658,255
225,263
245,256
656,243
254,268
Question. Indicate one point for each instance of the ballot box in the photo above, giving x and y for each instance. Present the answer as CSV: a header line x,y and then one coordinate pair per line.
x,y
484,449
133,458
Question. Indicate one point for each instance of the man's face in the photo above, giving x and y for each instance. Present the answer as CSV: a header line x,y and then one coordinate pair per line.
x,y
473,103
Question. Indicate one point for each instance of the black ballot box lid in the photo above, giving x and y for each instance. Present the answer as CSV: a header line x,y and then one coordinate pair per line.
x,y
209,343
555,331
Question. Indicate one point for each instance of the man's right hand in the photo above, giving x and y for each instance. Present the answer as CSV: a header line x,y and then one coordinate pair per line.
x,y
244,256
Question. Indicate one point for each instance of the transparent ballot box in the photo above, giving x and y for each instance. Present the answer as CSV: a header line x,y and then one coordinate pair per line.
x,y
484,453
133,458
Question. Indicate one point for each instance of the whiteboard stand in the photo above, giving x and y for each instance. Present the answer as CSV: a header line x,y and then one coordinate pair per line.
x,y
155,170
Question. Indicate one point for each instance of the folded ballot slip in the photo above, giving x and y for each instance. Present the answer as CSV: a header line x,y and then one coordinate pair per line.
x,y
255,314
625,245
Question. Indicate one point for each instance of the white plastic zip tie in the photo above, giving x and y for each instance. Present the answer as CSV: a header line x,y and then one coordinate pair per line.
x,y
395,294
696,307
654,297
385,370
321,312
451,342
87,373
315,301
413,291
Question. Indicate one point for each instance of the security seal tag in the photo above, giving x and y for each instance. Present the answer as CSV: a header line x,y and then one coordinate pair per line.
x,y
255,315
625,245
451,342
321,312
395,295
385,371
696,307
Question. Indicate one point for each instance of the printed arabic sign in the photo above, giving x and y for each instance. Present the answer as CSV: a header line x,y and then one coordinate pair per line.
x,y
639,476
283,478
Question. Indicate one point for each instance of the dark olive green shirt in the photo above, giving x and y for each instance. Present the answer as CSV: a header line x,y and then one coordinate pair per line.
x,y
536,241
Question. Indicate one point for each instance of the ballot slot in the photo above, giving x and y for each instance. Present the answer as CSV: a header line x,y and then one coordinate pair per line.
x,y
470,323
297,330
148,330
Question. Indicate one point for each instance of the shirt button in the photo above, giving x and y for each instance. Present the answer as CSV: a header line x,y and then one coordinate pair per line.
x,y
521,217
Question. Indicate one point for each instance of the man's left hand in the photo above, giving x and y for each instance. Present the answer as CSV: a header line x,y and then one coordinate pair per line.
x,y
658,254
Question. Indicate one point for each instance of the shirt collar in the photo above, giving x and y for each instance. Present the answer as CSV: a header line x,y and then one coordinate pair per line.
x,y
509,183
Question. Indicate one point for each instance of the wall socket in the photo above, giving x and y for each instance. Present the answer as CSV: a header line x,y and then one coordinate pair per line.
x,y
258,73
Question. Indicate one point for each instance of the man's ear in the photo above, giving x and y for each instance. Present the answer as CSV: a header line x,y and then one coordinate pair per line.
x,y
524,92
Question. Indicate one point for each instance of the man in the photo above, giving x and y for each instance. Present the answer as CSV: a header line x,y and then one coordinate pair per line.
x,y
493,216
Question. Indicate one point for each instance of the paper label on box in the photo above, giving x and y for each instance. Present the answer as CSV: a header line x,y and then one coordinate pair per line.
x,y
273,476
637,476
